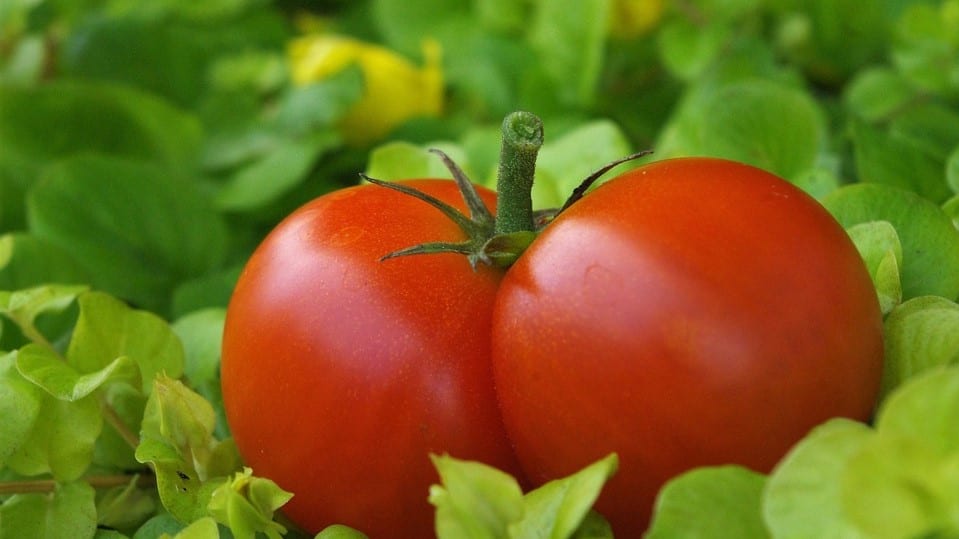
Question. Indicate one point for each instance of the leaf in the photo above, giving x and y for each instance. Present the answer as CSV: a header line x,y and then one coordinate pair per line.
x,y
139,230
901,487
565,162
924,409
759,122
24,306
557,509
113,449
569,41
930,242
715,502
246,504
93,117
203,528
339,531
320,104
108,329
891,159
879,246
920,334
48,370
61,440
877,93
403,160
474,500
28,261
687,49
20,403
275,174
125,507
803,495
177,438
68,513
201,333
160,525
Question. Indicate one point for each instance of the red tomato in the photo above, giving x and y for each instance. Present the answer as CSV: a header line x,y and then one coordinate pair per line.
x,y
691,312
342,373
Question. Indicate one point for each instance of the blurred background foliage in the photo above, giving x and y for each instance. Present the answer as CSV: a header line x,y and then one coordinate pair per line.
x,y
147,146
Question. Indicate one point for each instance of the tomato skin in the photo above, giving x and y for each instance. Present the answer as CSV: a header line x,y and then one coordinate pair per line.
x,y
691,312
342,373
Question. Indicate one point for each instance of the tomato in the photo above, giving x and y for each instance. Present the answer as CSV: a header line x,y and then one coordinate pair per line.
x,y
690,312
342,373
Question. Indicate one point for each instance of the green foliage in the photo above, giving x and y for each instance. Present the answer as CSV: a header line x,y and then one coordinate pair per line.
x,y
147,147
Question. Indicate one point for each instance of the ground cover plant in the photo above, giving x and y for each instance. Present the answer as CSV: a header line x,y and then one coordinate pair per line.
x,y
148,148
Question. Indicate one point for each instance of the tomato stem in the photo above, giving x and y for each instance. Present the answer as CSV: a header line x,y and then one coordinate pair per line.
x,y
522,139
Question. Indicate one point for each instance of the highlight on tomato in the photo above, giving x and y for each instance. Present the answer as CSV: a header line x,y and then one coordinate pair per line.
x,y
689,312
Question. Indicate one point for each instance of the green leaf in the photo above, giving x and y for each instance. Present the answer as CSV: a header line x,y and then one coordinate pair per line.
x,y
802,497
139,231
28,261
920,334
125,507
901,487
246,504
890,159
565,162
177,438
877,93
278,172
203,528
20,403
48,370
201,333
62,439
113,450
320,104
924,409
759,122
68,513
160,525
687,49
403,160
879,246
474,500
93,117
108,329
714,502
930,242
339,531
557,509
24,306
569,41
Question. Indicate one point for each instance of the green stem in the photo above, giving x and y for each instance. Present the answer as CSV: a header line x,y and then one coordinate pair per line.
x,y
522,139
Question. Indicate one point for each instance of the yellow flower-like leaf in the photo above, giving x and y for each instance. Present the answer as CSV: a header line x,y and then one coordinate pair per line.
x,y
395,90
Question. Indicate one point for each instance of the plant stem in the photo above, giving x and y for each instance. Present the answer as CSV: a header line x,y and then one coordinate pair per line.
x,y
522,139
113,418
95,481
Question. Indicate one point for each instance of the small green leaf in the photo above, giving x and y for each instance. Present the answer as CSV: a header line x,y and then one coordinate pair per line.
x,y
902,487
176,436
877,93
557,509
930,242
62,439
320,104
879,246
920,334
20,403
113,450
403,160
140,230
160,525
475,501
890,159
925,408
68,513
275,174
714,502
202,528
339,531
246,504
803,495
108,329
28,261
952,170
201,333
24,306
125,507
687,49
48,370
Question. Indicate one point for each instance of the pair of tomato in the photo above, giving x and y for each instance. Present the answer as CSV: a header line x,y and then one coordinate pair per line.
x,y
689,312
